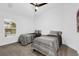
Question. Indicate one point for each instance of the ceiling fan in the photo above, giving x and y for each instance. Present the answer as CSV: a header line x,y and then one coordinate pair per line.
x,y
37,5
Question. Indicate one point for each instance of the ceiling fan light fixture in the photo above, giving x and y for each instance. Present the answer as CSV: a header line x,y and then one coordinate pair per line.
x,y
36,8
36,5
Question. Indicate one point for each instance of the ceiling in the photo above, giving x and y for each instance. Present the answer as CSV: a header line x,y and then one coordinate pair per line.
x,y
24,9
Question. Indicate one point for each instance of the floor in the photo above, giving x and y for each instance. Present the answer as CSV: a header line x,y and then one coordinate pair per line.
x,y
16,49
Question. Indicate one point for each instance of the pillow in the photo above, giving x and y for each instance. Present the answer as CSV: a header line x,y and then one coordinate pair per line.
x,y
56,33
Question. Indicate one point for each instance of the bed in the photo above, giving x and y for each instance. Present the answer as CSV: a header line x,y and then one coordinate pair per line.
x,y
25,39
48,44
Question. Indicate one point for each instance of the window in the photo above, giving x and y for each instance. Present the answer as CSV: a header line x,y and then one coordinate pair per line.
x,y
9,26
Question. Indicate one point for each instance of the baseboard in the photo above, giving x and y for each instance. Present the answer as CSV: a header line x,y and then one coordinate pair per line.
x,y
8,43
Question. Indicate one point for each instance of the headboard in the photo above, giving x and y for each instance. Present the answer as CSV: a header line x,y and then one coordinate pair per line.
x,y
55,33
38,33
58,34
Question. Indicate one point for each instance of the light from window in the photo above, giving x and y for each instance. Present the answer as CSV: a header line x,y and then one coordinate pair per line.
x,y
10,26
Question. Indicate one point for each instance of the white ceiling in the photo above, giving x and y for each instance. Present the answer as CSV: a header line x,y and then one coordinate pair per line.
x,y
24,9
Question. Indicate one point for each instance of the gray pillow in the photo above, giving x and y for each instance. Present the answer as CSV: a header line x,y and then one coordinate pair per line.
x,y
56,33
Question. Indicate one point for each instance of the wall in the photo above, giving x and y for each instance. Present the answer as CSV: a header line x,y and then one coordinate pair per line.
x,y
49,17
70,34
23,25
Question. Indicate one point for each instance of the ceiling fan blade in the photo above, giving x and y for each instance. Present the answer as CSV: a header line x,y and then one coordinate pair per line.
x,y
33,4
39,5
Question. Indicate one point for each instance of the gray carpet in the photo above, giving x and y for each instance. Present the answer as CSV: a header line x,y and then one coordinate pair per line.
x,y
17,50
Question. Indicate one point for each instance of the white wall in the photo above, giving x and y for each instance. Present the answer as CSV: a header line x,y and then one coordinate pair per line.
x,y
23,25
70,34
49,17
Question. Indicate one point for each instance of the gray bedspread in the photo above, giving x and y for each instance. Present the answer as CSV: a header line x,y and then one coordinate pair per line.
x,y
25,39
47,45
